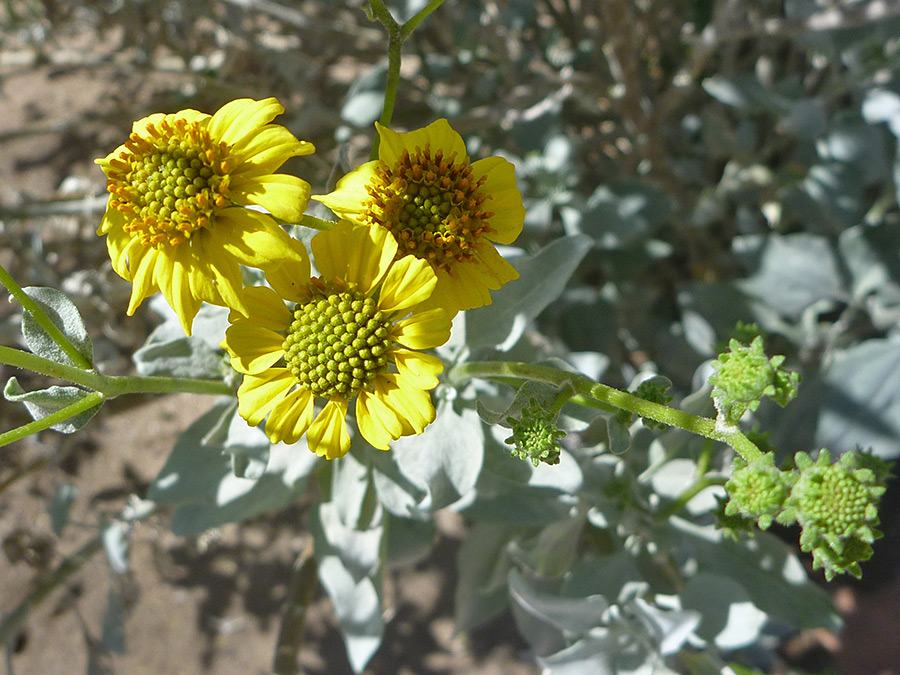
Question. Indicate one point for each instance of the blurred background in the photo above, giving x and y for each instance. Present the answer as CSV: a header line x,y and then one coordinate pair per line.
x,y
731,160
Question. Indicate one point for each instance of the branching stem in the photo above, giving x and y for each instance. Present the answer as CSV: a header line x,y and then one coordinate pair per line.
x,y
584,386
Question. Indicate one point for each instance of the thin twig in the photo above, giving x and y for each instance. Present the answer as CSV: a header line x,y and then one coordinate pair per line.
x,y
302,589
11,622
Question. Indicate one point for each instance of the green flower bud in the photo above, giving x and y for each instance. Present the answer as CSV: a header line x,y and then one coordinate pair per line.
x,y
758,491
836,504
744,375
654,390
535,435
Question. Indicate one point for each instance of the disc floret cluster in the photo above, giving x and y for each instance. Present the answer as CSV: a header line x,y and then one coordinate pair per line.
x,y
338,342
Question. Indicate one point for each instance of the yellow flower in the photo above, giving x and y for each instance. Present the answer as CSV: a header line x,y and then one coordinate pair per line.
x,y
353,331
176,221
440,207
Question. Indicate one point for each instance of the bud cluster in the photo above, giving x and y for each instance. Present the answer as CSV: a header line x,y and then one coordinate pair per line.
x,y
744,374
835,504
535,435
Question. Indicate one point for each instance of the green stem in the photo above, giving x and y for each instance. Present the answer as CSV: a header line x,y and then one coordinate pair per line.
x,y
681,501
300,594
86,403
413,22
316,223
585,386
392,84
397,34
43,320
111,385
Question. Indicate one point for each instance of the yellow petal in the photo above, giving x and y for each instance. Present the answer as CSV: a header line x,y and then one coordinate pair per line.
x,y
257,395
289,277
423,330
378,424
413,406
254,239
220,268
505,199
112,220
458,291
492,265
357,254
350,196
437,135
291,417
144,278
253,348
417,370
409,282
328,436
178,292
267,309
266,150
283,196
234,121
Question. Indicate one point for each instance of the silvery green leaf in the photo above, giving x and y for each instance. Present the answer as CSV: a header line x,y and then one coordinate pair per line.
x,y
64,315
623,213
198,479
358,606
619,435
730,619
772,577
60,505
359,549
593,654
552,551
117,544
443,462
859,399
248,446
350,484
50,400
542,278
349,569
365,98
113,629
483,565
745,92
538,392
670,627
882,105
523,506
791,272
572,615
409,540
862,251
183,357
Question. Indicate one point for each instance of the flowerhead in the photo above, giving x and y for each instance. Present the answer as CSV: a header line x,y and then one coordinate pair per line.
x,y
176,220
440,207
352,332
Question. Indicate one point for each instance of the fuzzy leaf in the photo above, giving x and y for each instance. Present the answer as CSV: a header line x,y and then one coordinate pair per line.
x,y
64,315
50,400
542,278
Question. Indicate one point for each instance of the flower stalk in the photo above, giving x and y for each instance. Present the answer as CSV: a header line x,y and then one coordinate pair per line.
x,y
585,386
397,35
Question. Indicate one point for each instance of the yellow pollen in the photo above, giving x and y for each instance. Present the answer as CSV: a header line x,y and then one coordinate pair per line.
x,y
432,204
168,181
